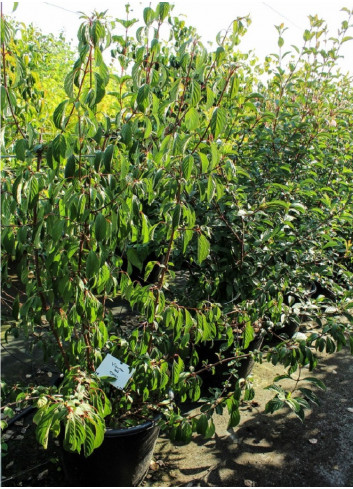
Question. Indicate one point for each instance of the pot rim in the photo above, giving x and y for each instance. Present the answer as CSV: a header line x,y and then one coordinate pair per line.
x,y
132,430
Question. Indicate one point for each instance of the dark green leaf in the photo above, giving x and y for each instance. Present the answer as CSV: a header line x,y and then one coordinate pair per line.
x,y
126,134
100,227
203,248
315,381
16,308
92,264
274,405
176,216
33,192
108,157
70,167
143,97
218,121
211,429
59,115
134,258
21,147
202,425
234,418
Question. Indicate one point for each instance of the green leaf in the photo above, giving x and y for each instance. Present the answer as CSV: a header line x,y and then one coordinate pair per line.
x,y
310,395
100,88
220,54
249,394
89,441
149,267
3,97
57,230
33,192
145,229
92,264
16,307
6,31
187,237
195,393
37,237
203,248
69,83
19,73
210,98
108,157
248,335
177,368
97,31
218,121
202,425
148,128
185,432
176,216
211,429
143,97
234,86
162,10
188,165
315,381
195,93
43,419
134,258
21,147
100,227
59,115
274,405
234,418
192,119
59,147
307,35
70,167
296,408
278,203
16,189
148,15
204,162
126,134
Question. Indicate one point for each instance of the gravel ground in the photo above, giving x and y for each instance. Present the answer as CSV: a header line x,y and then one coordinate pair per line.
x,y
272,450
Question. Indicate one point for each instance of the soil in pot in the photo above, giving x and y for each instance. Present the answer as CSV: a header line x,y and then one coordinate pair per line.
x,y
122,460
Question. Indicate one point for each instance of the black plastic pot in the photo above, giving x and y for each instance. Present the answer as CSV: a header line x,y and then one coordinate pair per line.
x,y
215,380
122,460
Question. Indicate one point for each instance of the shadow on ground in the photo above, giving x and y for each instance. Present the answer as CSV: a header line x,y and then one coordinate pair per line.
x,y
273,450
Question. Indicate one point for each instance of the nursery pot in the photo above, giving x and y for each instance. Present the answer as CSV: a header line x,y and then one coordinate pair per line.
x,y
210,353
122,460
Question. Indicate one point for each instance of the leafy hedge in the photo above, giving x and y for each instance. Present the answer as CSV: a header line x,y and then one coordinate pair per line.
x,y
178,160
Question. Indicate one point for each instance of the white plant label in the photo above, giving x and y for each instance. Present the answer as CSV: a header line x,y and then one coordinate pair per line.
x,y
112,367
